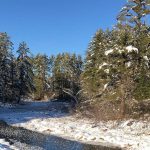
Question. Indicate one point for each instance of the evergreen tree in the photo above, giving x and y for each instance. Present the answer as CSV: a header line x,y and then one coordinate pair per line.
x,y
5,49
135,12
25,72
13,78
66,75
42,74
94,59
117,62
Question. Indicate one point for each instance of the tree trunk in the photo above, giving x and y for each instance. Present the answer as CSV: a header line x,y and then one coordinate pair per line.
x,y
122,105
70,93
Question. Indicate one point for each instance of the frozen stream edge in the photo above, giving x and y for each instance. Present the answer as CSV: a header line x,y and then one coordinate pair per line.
x,y
128,134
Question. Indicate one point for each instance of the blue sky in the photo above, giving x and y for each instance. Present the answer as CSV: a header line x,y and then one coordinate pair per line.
x,y
53,26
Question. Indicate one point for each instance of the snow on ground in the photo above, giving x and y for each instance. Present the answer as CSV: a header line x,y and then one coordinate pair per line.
x,y
5,105
43,118
6,146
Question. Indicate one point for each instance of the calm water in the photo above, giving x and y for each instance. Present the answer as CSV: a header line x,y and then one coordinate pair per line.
x,y
29,140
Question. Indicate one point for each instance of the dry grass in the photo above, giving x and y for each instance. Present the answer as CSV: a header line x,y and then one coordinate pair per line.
x,y
110,110
101,111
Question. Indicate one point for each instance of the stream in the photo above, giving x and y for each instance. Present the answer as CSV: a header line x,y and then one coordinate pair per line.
x,y
25,139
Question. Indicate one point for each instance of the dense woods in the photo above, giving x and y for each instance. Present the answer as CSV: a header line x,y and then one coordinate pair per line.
x,y
114,78
38,77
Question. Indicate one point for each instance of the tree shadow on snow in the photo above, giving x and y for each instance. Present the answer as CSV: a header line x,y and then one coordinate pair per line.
x,y
34,110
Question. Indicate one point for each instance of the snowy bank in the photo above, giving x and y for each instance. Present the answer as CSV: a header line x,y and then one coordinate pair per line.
x,y
128,134
5,145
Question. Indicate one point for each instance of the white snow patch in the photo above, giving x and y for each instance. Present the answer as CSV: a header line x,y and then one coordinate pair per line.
x,y
92,54
128,64
105,86
144,14
89,61
146,58
102,65
106,70
123,8
6,105
6,146
131,48
120,51
108,52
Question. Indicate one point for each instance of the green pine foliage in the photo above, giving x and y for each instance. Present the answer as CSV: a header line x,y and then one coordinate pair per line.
x,y
41,67
95,56
117,61
25,71
66,74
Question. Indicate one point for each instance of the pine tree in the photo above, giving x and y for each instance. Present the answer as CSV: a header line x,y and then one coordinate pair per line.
x,y
13,78
127,58
117,61
66,75
25,72
5,49
135,12
94,59
42,73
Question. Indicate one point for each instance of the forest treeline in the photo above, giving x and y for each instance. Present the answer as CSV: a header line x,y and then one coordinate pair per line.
x,y
38,77
113,79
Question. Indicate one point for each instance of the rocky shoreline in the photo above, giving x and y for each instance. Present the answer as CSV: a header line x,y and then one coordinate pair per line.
x,y
11,134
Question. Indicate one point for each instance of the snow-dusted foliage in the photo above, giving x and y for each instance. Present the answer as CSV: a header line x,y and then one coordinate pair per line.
x,y
14,73
119,59
104,64
108,51
135,12
131,48
146,58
